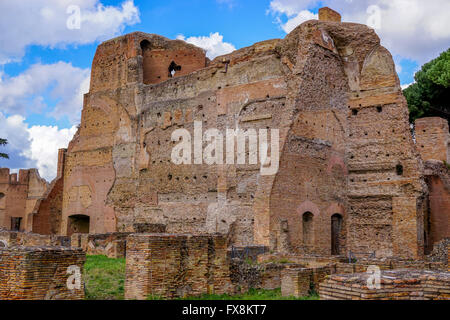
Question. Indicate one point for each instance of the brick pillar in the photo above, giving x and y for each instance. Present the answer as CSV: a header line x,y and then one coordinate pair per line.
x,y
433,138
327,14
39,273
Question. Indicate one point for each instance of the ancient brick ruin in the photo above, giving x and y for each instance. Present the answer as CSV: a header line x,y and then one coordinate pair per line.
x,y
165,265
19,194
394,285
39,273
352,179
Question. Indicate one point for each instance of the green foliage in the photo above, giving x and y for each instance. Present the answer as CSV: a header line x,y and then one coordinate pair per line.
x,y
104,278
252,294
429,95
3,142
447,164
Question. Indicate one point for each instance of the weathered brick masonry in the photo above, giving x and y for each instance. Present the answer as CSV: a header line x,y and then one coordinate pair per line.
x,y
351,177
18,197
343,183
39,273
169,266
394,285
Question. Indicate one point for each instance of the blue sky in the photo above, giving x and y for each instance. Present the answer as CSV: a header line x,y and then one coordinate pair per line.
x,y
44,66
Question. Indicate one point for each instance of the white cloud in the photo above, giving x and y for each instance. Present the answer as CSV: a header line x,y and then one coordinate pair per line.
x,y
404,86
289,7
414,29
34,147
45,142
64,83
44,22
297,20
213,44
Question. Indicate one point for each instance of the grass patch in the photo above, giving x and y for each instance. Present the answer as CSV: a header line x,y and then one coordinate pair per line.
x,y
252,294
104,278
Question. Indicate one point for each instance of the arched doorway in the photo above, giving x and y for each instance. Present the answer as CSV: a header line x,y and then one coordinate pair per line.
x,y
78,224
308,234
336,228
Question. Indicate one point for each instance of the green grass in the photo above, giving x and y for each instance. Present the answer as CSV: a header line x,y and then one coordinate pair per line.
x,y
252,294
104,278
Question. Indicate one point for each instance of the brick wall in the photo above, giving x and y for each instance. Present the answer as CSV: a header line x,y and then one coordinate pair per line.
x,y
296,282
172,266
38,273
12,238
19,195
327,14
394,285
112,245
433,138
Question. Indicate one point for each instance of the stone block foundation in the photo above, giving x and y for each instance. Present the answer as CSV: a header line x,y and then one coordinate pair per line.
x,y
39,273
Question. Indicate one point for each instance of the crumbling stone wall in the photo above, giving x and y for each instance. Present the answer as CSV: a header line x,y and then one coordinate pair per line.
x,y
433,138
27,239
437,217
112,245
324,87
47,212
168,265
39,273
18,197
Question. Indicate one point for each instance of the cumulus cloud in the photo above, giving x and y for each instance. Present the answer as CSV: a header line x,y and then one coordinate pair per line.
x,y
414,29
33,147
44,144
213,44
404,86
63,82
45,23
298,19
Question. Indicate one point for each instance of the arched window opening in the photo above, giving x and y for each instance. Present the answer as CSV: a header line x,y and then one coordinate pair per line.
x,y
145,45
336,228
308,228
173,68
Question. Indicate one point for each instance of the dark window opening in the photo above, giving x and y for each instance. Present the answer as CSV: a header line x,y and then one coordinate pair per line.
x,y
379,108
78,224
145,45
2,195
336,228
15,223
173,68
308,228
355,112
399,169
